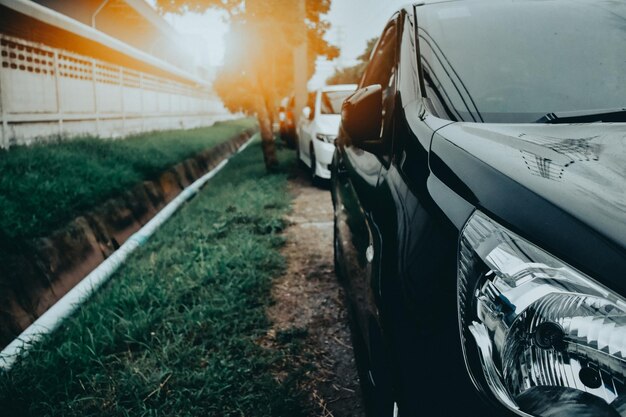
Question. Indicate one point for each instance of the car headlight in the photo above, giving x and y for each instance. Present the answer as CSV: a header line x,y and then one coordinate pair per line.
x,y
326,138
539,336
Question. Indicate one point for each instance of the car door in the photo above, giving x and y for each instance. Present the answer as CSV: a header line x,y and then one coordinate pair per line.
x,y
356,181
403,223
418,250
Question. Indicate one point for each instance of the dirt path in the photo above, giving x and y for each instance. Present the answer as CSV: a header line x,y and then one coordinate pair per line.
x,y
311,301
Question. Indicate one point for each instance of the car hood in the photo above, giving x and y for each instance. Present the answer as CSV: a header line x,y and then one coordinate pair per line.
x,y
328,124
579,169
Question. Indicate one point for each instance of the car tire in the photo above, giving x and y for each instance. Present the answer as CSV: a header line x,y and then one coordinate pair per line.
x,y
382,403
314,177
336,250
298,158
376,399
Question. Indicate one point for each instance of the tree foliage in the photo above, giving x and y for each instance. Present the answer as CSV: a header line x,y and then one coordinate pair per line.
x,y
259,66
353,74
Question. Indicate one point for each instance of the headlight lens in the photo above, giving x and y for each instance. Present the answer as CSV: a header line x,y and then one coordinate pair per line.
x,y
540,336
326,138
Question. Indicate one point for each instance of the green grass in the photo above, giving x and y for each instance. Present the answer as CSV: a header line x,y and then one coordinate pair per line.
x,y
174,332
42,187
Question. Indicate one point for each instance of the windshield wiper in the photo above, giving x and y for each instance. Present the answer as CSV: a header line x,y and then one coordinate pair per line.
x,y
585,116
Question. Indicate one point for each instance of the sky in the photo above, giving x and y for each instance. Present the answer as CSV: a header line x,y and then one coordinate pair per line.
x,y
353,22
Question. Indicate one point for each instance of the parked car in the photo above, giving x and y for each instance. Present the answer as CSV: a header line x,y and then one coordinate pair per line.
x,y
318,128
286,120
479,188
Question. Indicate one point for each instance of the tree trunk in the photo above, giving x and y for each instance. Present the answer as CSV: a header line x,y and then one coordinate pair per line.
x,y
267,140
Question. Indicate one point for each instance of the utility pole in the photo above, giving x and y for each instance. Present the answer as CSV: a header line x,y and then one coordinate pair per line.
x,y
300,63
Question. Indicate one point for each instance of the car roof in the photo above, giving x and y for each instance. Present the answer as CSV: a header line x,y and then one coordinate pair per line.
x,y
338,87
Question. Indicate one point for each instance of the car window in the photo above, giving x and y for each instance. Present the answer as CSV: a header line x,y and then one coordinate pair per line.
x,y
382,69
332,101
518,61
408,78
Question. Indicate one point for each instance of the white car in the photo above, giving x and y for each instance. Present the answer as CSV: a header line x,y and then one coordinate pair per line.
x,y
318,128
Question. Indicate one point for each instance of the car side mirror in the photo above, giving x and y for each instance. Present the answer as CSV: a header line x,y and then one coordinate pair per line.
x,y
306,112
362,117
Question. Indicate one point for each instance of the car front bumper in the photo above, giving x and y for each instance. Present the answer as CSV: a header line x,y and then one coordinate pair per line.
x,y
323,157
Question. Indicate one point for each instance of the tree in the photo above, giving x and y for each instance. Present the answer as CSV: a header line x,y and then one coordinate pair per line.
x,y
258,65
353,74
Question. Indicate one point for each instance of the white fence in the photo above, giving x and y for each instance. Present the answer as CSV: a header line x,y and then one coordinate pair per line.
x,y
47,92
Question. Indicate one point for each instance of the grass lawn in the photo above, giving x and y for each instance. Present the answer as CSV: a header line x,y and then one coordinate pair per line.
x,y
44,186
174,332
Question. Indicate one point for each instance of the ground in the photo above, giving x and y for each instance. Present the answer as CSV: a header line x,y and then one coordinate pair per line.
x,y
310,300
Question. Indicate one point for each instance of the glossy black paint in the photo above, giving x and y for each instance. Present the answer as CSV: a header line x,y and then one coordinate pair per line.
x,y
399,214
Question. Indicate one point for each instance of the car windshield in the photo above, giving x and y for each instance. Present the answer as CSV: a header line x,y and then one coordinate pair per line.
x,y
518,61
332,101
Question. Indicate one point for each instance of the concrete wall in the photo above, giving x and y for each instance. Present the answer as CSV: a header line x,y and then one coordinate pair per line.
x,y
46,92
131,21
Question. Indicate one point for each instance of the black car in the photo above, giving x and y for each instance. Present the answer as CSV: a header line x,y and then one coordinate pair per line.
x,y
480,210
